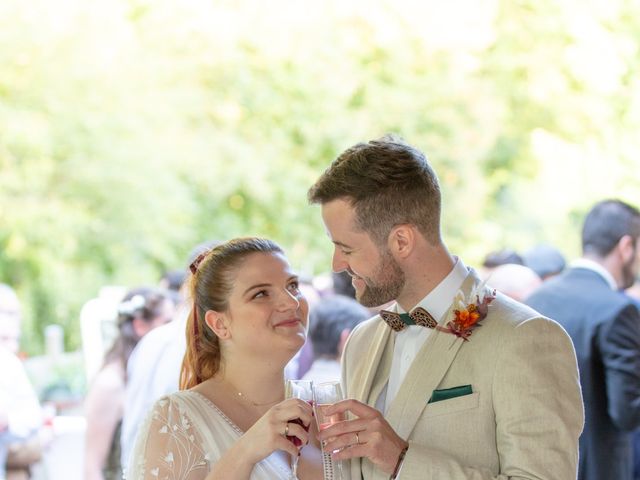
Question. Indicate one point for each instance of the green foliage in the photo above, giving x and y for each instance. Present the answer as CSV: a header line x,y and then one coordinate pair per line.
x,y
131,130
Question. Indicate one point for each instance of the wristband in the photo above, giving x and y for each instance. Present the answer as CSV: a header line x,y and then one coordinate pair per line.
x,y
396,470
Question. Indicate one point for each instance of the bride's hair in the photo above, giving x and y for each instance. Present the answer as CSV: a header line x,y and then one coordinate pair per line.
x,y
210,285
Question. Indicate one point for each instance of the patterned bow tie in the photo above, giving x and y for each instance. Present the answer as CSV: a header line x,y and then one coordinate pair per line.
x,y
419,316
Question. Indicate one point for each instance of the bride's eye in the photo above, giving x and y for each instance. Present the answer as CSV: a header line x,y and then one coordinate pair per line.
x,y
294,287
260,294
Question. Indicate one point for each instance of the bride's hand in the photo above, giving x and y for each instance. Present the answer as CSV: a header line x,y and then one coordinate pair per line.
x,y
268,433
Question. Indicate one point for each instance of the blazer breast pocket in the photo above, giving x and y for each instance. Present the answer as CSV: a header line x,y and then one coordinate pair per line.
x,y
452,405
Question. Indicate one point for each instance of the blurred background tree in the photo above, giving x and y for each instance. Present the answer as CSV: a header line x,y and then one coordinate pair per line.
x,y
130,130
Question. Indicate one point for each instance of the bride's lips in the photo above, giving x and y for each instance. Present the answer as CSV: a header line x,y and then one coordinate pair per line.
x,y
290,322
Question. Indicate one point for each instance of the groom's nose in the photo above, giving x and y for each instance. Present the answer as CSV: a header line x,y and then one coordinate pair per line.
x,y
338,262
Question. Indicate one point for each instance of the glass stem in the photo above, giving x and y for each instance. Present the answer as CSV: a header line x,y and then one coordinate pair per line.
x,y
294,468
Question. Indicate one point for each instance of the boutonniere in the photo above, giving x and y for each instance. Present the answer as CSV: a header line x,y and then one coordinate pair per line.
x,y
469,311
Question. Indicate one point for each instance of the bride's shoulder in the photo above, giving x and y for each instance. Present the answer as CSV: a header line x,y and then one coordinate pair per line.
x,y
178,409
174,401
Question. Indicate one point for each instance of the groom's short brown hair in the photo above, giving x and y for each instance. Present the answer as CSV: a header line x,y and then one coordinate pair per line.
x,y
388,183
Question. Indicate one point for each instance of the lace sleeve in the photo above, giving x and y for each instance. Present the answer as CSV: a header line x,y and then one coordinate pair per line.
x,y
168,446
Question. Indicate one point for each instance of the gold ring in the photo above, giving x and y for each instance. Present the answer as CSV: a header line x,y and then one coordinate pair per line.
x,y
286,430
357,439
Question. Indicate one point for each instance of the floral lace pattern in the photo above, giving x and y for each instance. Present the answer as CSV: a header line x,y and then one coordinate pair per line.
x,y
184,434
172,442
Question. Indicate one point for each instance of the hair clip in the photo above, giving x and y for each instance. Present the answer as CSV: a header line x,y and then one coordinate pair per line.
x,y
196,263
129,307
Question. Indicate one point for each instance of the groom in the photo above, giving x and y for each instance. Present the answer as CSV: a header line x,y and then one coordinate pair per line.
x,y
470,384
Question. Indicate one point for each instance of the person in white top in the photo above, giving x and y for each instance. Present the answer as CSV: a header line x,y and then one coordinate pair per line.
x,y
230,419
469,384
20,412
153,370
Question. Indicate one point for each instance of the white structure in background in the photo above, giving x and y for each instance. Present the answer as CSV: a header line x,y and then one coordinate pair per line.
x,y
98,326
54,340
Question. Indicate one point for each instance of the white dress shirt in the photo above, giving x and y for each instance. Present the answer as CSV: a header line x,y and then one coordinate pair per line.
x,y
409,341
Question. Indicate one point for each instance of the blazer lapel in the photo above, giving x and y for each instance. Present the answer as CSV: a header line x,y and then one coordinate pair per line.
x,y
368,367
381,375
369,377
426,372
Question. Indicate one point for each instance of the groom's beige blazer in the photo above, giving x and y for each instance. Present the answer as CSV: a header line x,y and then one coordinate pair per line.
x,y
522,419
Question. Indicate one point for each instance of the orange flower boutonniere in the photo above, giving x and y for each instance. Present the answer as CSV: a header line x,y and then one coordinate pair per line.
x,y
470,311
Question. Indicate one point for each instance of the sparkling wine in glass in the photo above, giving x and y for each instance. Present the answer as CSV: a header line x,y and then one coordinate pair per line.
x,y
324,395
303,390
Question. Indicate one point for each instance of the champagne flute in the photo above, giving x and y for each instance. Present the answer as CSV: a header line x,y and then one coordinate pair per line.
x,y
302,389
324,395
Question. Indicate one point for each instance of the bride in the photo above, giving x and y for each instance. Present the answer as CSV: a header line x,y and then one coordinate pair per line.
x,y
230,420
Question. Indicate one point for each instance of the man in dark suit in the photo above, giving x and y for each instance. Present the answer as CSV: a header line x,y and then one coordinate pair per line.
x,y
604,325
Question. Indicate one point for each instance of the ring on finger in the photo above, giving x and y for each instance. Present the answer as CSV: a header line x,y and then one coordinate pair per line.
x,y
286,430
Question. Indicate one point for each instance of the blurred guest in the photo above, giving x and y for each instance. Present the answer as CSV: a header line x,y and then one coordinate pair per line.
x,y
10,319
634,293
141,310
496,258
172,281
153,370
604,325
502,257
515,281
331,321
20,413
546,260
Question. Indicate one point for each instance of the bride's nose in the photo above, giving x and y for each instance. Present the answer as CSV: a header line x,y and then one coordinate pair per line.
x,y
288,301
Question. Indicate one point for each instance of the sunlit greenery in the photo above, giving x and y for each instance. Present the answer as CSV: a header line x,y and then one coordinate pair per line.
x,y
131,130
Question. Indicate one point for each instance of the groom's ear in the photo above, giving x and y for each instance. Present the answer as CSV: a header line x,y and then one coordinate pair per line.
x,y
402,239
218,323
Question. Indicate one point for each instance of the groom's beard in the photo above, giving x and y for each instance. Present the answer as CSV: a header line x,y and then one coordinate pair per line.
x,y
384,285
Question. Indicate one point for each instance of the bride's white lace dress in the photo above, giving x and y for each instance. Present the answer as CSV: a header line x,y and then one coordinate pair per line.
x,y
184,435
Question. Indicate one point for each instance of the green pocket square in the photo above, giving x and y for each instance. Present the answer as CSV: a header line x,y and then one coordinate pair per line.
x,y
448,393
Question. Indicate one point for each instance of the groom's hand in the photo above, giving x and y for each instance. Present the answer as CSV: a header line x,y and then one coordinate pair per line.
x,y
375,438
